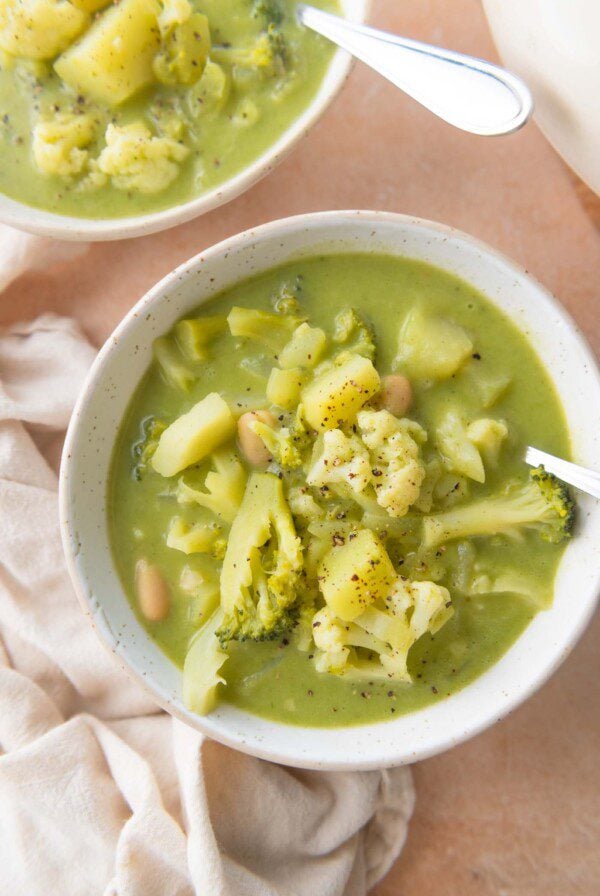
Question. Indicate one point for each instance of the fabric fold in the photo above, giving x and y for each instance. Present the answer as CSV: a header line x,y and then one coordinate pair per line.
x,y
22,252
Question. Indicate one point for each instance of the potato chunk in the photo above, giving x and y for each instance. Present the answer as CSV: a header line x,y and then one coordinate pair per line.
x,y
113,60
39,29
335,397
90,5
354,575
305,348
283,387
431,347
194,435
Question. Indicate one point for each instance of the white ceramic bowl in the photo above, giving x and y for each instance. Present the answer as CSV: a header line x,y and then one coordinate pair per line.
x,y
119,367
553,45
65,227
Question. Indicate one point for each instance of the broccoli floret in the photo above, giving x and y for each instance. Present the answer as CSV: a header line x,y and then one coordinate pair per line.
x,y
519,583
350,329
543,504
224,487
185,46
196,538
267,55
262,565
143,450
286,299
172,365
279,443
279,48
202,588
376,643
202,666
286,445
301,635
271,11
271,330
194,335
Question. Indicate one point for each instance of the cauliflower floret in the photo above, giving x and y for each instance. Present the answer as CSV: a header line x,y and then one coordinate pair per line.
x,y
488,435
330,635
384,454
303,505
94,178
59,144
338,458
397,468
196,538
135,160
458,451
224,487
349,327
376,643
430,603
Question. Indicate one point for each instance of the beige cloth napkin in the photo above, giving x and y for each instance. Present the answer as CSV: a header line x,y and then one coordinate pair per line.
x,y
100,793
21,252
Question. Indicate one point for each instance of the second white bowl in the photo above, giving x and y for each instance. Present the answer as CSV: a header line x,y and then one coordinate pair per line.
x,y
65,227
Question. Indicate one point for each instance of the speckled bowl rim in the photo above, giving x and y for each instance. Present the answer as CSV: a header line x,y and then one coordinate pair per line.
x,y
491,696
66,227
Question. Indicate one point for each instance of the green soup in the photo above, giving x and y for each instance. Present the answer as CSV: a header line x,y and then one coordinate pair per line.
x,y
497,583
110,136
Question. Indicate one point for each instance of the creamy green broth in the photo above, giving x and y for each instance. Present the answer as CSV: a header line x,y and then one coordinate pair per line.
x,y
274,679
221,141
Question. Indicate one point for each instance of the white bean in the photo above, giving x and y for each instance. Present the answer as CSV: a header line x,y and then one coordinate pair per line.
x,y
252,446
152,592
396,394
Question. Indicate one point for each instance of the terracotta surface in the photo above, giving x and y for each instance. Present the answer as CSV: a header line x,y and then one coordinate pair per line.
x,y
515,811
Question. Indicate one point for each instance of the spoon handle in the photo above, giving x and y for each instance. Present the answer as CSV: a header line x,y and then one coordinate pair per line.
x,y
582,478
469,93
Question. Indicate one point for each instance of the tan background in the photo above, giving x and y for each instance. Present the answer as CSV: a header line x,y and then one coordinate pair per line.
x,y
515,811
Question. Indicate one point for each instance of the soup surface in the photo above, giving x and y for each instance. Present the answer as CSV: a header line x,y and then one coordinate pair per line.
x,y
478,393
109,110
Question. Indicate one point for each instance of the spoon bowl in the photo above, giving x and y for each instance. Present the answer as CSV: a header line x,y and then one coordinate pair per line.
x,y
469,93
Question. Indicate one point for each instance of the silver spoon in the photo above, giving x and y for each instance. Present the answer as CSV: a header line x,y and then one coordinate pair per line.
x,y
583,479
469,93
